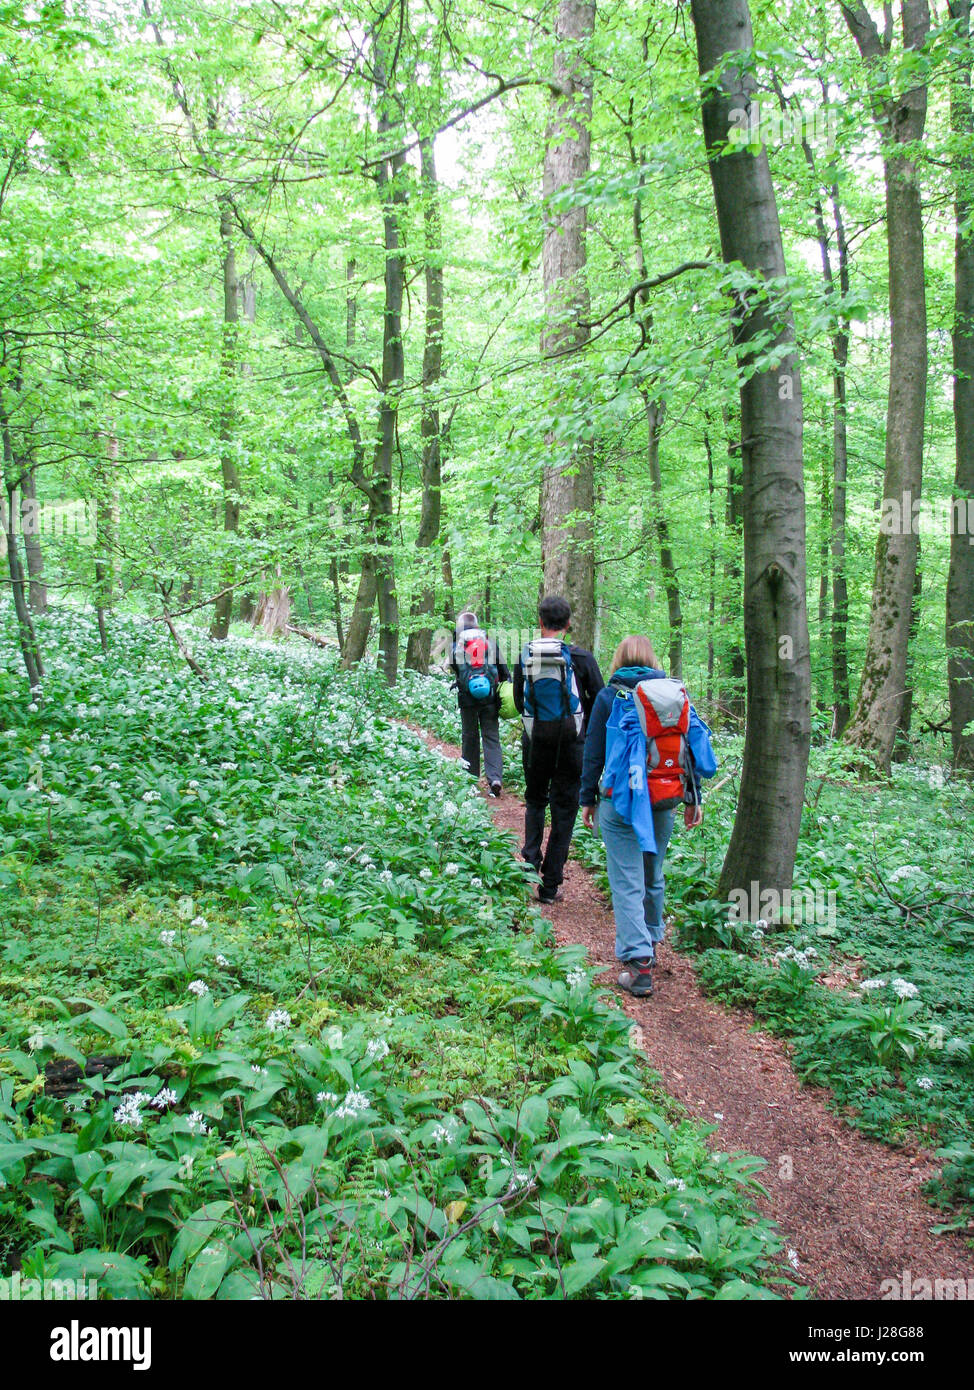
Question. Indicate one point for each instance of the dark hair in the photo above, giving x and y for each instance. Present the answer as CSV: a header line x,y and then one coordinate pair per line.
x,y
554,612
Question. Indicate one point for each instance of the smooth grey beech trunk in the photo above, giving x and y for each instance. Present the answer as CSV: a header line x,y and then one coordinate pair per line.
x,y
424,605
32,543
900,121
778,732
960,578
567,490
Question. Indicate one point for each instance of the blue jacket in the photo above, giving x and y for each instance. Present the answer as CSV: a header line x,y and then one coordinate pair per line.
x,y
593,764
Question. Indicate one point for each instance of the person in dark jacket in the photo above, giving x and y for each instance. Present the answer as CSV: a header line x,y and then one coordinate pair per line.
x,y
479,719
635,875
553,768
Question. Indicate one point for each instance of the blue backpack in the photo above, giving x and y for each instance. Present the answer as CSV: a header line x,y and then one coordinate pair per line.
x,y
552,707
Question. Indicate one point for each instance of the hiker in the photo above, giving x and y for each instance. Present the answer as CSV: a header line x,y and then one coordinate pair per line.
x,y
645,754
479,672
555,686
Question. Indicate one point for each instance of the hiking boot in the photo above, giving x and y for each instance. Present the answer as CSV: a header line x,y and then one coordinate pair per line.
x,y
549,895
494,789
636,976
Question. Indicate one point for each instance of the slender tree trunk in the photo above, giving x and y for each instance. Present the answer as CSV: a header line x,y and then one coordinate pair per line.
x,y
901,121
30,529
449,599
106,525
228,371
733,577
654,409
711,567
834,509
671,582
841,699
765,835
568,481
13,481
825,527
960,579
393,195
338,567
424,605
363,610
901,747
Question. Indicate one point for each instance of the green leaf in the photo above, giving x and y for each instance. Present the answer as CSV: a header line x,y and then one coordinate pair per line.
x,y
207,1272
578,1274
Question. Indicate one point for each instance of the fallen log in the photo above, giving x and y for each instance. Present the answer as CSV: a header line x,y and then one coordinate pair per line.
x,y
314,637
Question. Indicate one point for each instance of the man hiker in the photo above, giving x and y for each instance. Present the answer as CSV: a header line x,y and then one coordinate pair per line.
x,y
555,686
479,673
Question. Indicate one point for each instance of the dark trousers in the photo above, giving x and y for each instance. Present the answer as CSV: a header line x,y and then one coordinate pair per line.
x,y
552,775
477,723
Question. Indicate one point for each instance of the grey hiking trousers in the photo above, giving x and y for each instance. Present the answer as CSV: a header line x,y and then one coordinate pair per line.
x,y
476,723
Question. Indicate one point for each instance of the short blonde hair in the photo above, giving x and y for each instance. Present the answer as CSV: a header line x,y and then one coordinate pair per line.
x,y
634,651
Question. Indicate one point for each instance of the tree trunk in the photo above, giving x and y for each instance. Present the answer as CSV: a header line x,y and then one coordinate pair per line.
x,y
13,481
273,611
424,605
834,509
711,567
338,568
106,522
449,599
360,623
568,481
393,194
654,409
841,700
228,371
30,529
825,506
671,582
960,579
901,122
901,746
733,595
765,835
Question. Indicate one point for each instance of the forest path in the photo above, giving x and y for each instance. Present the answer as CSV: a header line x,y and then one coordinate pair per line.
x,y
851,1209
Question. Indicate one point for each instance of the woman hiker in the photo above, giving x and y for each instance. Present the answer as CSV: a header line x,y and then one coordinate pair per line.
x,y
634,778
479,673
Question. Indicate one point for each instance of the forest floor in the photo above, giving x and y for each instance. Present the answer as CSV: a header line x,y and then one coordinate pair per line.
x,y
851,1210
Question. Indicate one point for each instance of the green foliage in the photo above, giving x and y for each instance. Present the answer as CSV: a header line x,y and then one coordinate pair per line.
x,y
875,991
343,1056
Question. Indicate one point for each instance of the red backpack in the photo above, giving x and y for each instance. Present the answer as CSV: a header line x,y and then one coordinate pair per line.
x,y
663,707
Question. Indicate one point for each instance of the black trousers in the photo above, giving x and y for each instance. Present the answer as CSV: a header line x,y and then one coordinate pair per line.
x,y
553,776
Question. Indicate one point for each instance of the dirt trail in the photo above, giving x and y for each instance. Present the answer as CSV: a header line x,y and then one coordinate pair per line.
x,y
850,1209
